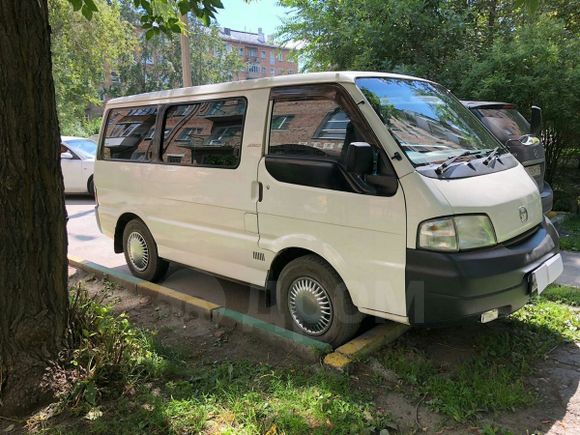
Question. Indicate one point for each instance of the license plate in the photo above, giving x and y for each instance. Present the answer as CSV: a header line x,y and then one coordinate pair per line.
x,y
534,170
546,274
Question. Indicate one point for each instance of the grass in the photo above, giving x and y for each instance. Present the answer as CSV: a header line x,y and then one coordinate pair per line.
x,y
116,378
494,376
237,397
570,234
564,294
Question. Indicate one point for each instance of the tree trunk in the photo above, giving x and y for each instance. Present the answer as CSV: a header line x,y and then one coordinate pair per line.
x,y
33,269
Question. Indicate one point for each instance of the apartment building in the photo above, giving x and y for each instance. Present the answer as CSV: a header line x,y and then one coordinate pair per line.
x,y
261,56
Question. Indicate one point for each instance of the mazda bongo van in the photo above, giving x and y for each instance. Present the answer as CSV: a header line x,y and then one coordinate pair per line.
x,y
343,194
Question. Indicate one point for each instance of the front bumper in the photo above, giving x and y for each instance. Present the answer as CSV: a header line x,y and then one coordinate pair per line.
x,y
449,287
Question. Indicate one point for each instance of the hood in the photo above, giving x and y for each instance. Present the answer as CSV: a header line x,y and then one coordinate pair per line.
x,y
510,198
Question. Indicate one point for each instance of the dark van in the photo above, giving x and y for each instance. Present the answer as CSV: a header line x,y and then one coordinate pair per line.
x,y
513,130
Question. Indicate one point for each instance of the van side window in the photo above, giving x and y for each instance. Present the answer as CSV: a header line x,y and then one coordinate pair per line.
x,y
207,133
129,134
315,127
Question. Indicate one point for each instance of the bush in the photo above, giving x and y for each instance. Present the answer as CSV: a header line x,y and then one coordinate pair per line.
x,y
104,354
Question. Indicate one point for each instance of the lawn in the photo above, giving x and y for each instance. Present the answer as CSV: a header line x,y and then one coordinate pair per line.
x,y
119,378
494,361
570,234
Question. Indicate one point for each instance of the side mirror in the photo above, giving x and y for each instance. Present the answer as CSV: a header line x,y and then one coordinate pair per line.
x,y
536,123
66,156
359,158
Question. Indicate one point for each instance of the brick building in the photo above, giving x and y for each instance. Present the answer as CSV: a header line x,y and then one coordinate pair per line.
x,y
261,57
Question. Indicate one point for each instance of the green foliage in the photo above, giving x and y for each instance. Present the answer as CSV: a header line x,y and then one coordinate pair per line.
x,y
83,52
109,51
104,354
156,64
123,382
493,378
570,234
563,294
374,34
522,51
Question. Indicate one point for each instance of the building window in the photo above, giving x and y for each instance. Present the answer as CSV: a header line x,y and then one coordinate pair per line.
x,y
254,68
334,126
263,54
280,56
264,70
252,52
272,58
229,48
281,122
314,127
273,71
210,134
128,133
241,51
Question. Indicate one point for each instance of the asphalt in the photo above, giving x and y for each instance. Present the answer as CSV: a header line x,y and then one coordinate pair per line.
x,y
86,242
571,275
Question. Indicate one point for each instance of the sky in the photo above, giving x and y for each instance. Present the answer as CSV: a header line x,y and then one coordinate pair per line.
x,y
240,15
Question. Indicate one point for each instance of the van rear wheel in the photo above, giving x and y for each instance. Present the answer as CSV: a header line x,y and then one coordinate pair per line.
x,y
314,300
141,252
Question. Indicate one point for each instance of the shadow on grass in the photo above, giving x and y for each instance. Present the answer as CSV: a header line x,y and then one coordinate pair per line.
x,y
232,397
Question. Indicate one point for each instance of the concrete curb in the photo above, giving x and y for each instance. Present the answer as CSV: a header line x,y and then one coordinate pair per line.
x,y
307,347
364,344
290,340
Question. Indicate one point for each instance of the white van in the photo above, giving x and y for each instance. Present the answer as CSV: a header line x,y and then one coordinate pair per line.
x,y
342,193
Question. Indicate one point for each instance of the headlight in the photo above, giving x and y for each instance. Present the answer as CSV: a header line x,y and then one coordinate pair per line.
x,y
457,233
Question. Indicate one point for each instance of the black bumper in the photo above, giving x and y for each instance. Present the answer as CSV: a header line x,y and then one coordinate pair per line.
x,y
445,288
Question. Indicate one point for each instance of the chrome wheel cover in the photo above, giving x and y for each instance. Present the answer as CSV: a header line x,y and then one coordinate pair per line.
x,y
310,306
138,251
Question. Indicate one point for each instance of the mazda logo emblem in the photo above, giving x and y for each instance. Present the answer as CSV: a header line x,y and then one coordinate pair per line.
x,y
523,214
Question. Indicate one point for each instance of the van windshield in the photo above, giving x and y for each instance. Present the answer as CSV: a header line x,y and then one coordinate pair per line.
x,y
429,123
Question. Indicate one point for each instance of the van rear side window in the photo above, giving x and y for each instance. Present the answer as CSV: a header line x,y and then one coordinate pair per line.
x,y
129,134
207,133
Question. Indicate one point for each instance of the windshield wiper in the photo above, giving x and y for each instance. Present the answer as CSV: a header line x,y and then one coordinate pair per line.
x,y
439,170
492,155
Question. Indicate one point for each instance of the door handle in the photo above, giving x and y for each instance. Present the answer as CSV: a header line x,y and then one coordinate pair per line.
x,y
260,191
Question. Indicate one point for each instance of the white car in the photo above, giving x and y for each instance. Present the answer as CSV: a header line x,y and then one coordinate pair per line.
x,y
77,160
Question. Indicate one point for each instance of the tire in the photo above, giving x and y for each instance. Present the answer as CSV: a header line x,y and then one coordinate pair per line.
x,y
314,300
91,186
140,252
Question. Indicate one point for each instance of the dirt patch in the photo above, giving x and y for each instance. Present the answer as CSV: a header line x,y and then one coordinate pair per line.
x,y
200,339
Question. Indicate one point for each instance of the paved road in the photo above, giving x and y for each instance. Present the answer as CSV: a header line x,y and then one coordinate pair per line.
x,y
571,275
85,241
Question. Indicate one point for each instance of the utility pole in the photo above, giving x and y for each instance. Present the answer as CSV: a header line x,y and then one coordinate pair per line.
x,y
185,54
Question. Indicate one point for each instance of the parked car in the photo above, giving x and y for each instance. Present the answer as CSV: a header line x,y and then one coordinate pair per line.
x,y
514,131
77,160
340,193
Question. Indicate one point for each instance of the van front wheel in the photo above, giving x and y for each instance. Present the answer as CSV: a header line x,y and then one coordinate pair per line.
x,y
141,252
315,302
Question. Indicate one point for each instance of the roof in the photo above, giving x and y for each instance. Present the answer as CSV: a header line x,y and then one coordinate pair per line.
x,y
482,104
245,37
245,85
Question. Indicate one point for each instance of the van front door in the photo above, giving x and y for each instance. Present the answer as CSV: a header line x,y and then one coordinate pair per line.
x,y
314,198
